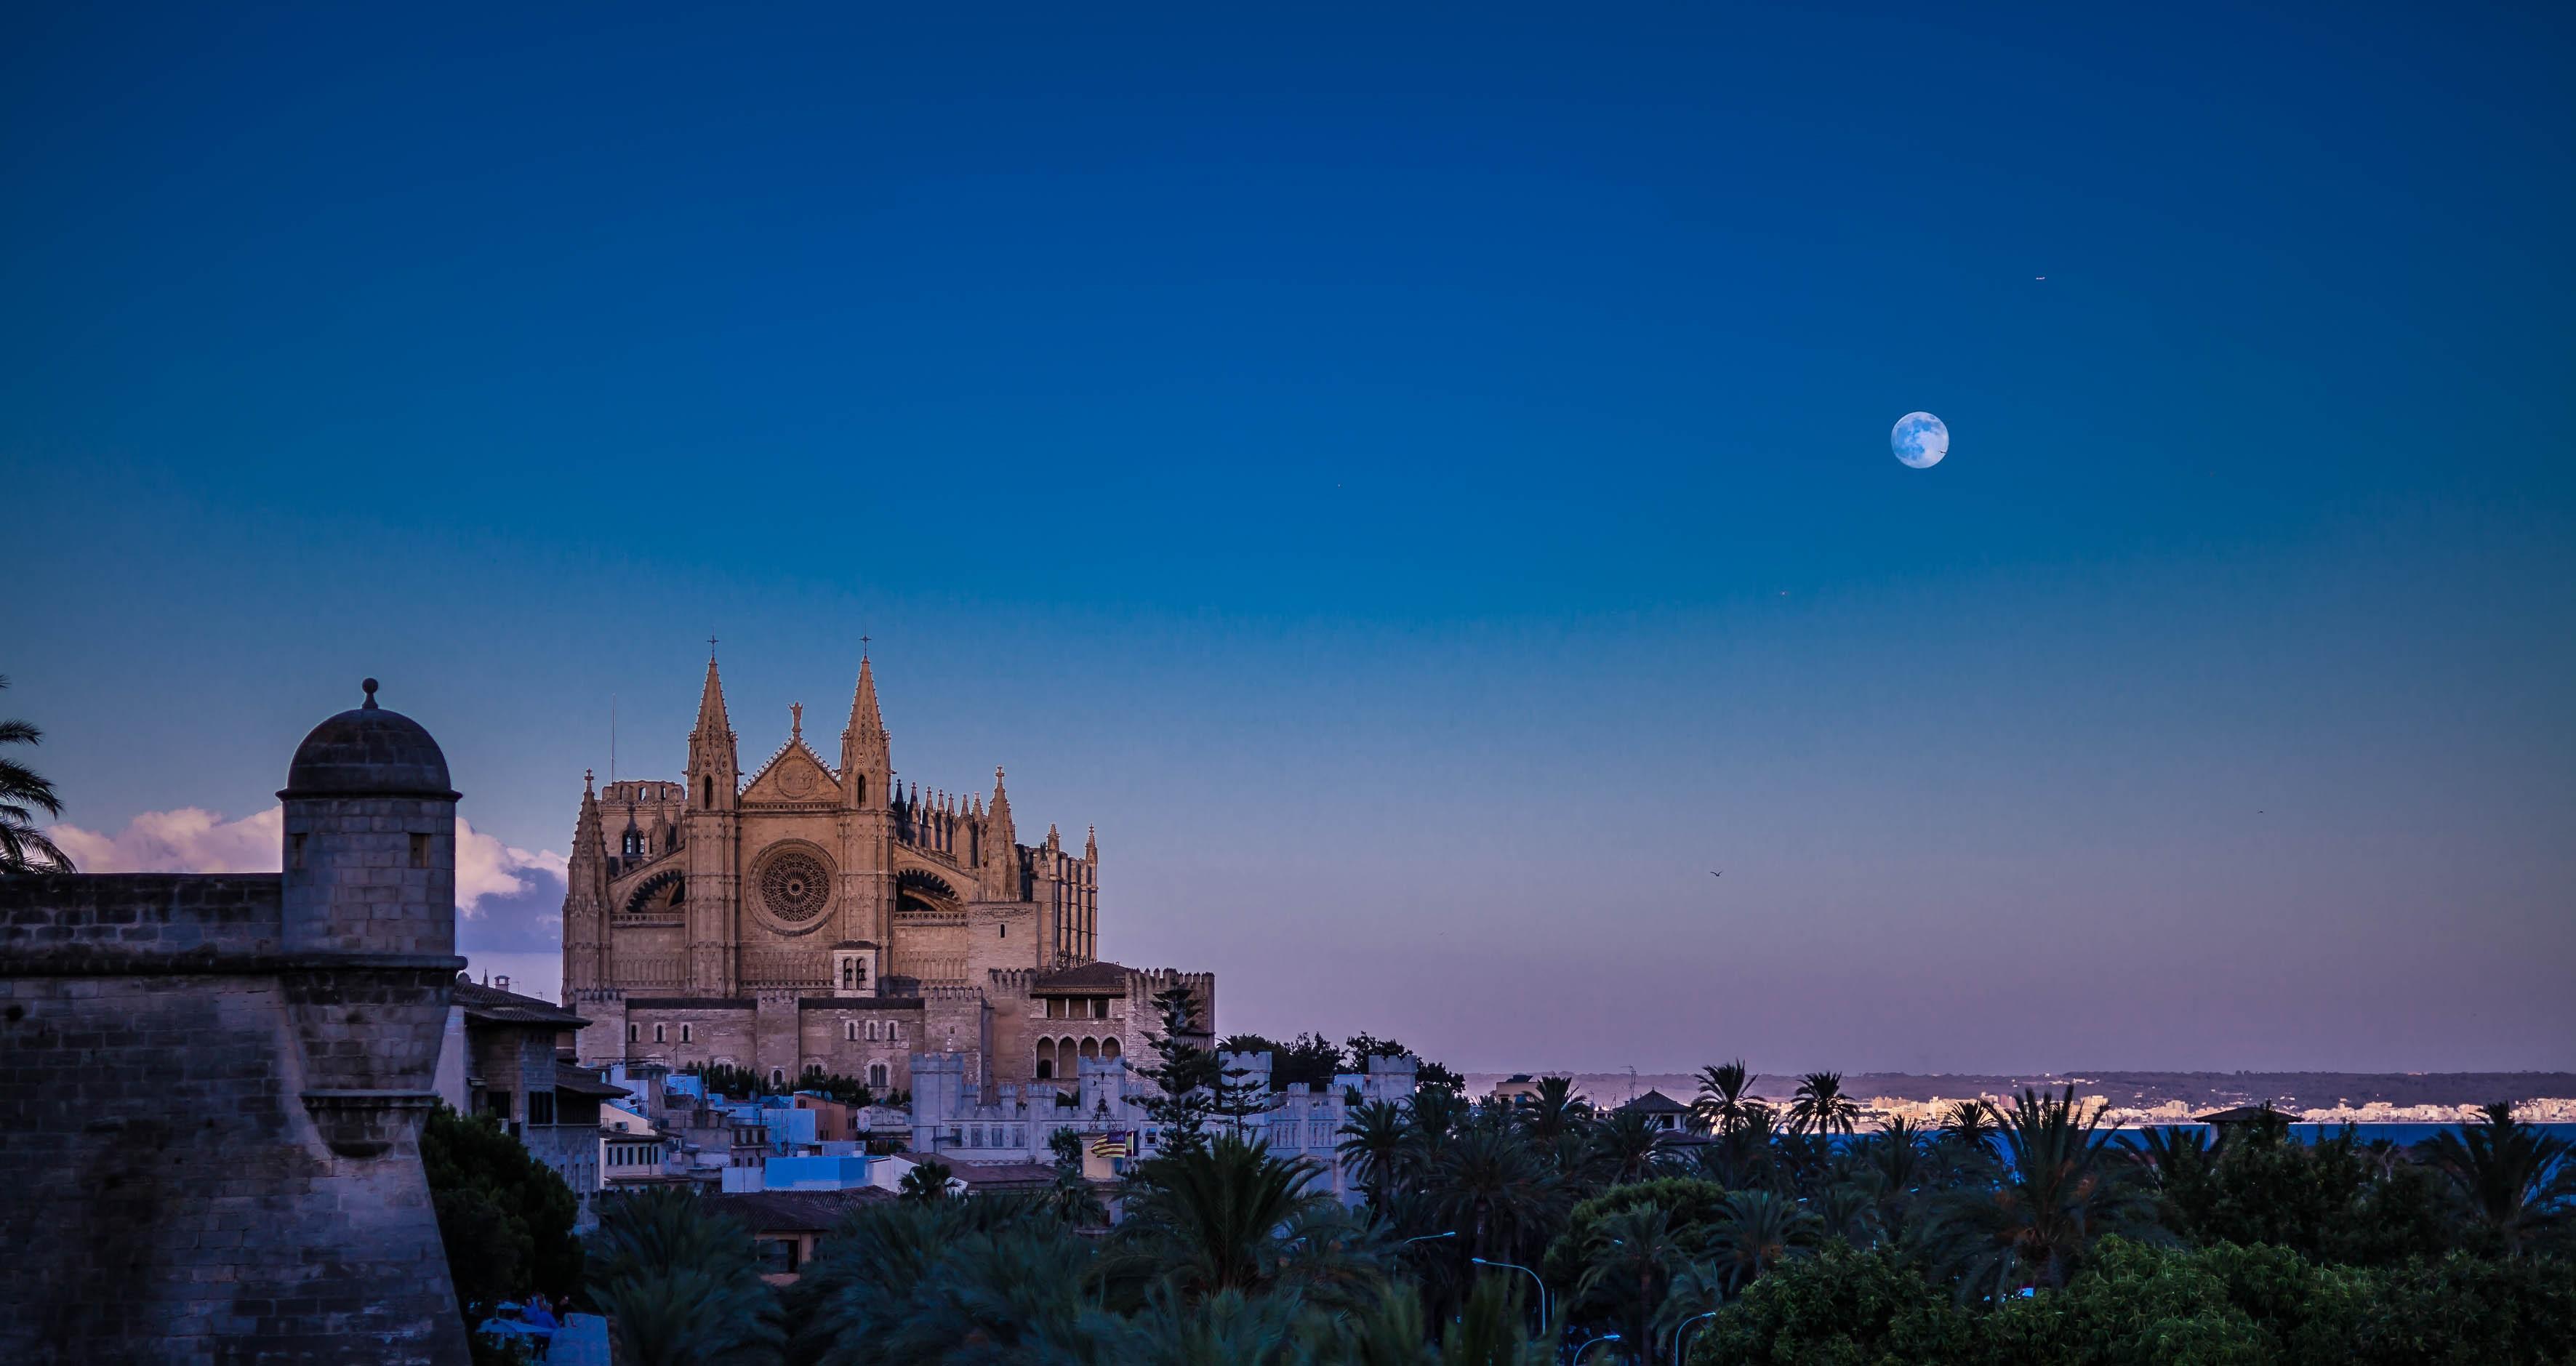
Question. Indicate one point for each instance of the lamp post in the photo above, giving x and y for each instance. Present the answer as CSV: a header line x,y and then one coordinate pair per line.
x,y
1427,1237
1684,1331
1588,1346
1544,1317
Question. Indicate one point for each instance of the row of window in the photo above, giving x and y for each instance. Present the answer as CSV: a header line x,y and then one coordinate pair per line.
x,y
1056,1057
1077,1007
889,1031
1001,1136
634,1154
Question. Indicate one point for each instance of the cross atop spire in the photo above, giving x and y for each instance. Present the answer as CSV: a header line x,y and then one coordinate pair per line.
x,y
711,649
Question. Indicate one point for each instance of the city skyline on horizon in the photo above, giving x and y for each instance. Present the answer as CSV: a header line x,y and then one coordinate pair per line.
x,y
1422,490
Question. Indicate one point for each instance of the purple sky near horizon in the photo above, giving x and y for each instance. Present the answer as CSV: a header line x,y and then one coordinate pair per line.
x,y
1422,490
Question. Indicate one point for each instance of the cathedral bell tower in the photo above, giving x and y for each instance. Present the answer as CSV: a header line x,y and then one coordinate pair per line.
x,y
713,842
867,824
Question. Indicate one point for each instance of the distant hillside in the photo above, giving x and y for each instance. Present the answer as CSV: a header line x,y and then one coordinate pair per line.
x,y
2289,1090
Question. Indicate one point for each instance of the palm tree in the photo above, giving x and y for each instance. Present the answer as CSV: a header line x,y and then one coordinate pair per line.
x,y
1897,1172
1492,1187
2518,1184
1019,1289
681,1283
23,791
1555,1110
1226,1328
2063,1186
1626,1145
1820,1107
1725,1092
1967,1137
1696,1289
1375,1141
1220,1219
1761,1230
1630,1257
1437,1114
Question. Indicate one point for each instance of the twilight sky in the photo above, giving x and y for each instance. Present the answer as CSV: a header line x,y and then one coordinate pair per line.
x,y
1419,485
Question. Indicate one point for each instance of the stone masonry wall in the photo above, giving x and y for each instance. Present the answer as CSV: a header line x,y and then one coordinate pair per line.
x,y
168,1190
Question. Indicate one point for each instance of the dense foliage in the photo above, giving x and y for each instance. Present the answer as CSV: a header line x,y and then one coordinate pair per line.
x,y
505,1218
1518,1232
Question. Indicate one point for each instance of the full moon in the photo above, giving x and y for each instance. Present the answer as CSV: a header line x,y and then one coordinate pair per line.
x,y
1920,440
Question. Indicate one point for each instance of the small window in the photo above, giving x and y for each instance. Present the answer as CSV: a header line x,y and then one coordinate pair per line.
x,y
894,1030
541,1107
1100,1007
420,851
877,1076
863,789
295,851
687,1033
657,1034
707,786
1005,931
632,1031
854,1031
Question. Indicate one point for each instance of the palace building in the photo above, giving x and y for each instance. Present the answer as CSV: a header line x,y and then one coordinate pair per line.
x,y
819,916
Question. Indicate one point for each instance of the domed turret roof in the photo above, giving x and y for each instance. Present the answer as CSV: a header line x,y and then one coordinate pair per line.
x,y
368,751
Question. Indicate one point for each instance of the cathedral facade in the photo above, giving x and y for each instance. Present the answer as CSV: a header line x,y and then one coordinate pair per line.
x,y
819,916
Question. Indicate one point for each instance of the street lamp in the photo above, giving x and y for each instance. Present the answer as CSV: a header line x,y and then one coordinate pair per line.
x,y
1684,1331
1544,1317
1427,1237
1588,1346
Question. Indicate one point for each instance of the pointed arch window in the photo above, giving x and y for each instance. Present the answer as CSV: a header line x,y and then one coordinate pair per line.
x,y
707,791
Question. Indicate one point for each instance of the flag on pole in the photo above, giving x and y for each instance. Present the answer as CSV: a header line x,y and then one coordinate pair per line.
x,y
1119,1143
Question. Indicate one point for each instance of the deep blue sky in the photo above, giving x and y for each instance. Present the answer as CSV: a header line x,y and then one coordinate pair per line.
x,y
1419,484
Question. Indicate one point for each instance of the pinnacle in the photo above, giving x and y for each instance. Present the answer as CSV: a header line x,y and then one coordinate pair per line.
x,y
865,720
711,705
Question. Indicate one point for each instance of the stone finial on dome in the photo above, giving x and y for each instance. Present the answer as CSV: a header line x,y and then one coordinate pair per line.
x,y
368,751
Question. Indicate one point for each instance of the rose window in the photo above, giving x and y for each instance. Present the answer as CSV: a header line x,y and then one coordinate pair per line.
x,y
794,886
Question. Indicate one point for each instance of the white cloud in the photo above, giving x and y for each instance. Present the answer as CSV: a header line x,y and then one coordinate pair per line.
x,y
188,840
192,840
485,867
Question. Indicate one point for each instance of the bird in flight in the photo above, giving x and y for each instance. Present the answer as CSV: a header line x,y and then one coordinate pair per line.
x,y
1714,873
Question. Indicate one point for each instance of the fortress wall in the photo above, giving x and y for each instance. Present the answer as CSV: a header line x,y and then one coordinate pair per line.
x,y
114,922
171,1192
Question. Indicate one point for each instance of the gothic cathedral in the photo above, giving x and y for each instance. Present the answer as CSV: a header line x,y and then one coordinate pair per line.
x,y
822,918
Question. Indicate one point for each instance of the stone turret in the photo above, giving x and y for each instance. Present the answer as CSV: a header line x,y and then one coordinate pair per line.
x,y
370,837
368,904
217,1082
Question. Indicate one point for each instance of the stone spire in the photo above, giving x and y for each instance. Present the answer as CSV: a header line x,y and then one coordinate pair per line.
x,y
1001,847
714,770
1091,844
712,720
865,750
585,922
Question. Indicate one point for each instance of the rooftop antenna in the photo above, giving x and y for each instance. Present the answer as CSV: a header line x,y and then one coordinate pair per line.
x,y
612,739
